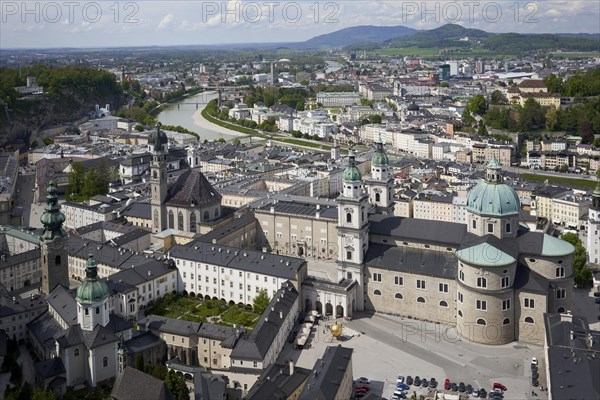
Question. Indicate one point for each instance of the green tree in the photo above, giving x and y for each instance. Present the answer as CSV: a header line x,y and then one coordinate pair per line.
x,y
90,185
477,105
76,179
43,394
177,386
235,142
554,83
261,302
531,115
104,176
139,128
581,272
374,118
551,118
445,85
497,97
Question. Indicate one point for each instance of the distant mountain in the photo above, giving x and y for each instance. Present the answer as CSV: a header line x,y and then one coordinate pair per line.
x,y
356,34
445,36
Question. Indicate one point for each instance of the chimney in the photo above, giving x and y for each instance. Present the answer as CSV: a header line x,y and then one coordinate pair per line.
x,y
291,367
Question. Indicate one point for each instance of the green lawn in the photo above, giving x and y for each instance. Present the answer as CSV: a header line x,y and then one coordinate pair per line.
x,y
558,179
575,54
197,310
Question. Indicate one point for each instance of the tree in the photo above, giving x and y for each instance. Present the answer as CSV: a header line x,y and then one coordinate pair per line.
x,y
445,85
76,179
497,97
477,105
177,386
551,118
374,119
581,273
43,394
235,142
90,185
261,302
104,177
139,128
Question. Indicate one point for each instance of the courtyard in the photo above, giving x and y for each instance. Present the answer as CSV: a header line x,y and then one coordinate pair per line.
x,y
199,310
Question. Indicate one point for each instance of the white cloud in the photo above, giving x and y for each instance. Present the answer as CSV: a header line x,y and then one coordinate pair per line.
x,y
165,21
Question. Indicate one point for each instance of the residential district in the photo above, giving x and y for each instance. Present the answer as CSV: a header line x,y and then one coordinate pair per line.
x,y
391,249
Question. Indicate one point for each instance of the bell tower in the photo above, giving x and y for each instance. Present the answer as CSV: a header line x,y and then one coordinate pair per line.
x,y
593,237
352,228
54,257
158,179
380,184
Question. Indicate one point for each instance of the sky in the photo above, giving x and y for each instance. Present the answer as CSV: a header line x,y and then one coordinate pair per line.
x,y
98,23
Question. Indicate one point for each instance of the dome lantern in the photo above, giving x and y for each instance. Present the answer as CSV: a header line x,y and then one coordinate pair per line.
x,y
379,158
352,173
493,197
92,290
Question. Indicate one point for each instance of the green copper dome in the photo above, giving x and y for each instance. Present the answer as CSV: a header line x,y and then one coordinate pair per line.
x,y
351,173
379,158
52,218
92,290
492,196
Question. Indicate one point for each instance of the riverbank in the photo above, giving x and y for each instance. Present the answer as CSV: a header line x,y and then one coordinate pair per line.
x,y
205,124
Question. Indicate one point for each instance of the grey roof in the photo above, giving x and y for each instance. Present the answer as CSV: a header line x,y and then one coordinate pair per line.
x,y
132,384
8,306
276,383
417,230
100,336
137,210
62,300
210,387
192,189
49,368
255,345
530,281
226,229
16,259
328,372
169,325
44,328
572,357
245,260
307,210
141,341
412,260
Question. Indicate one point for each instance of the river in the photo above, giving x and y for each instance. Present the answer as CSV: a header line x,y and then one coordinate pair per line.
x,y
187,114
333,66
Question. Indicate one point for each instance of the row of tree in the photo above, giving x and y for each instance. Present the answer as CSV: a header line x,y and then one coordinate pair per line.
x,y
84,184
581,272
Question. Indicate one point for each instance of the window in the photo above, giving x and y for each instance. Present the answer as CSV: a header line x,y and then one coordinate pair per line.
x,y
420,284
474,224
505,281
443,287
180,221
348,255
560,310
76,352
87,311
376,277
377,292
529,303
398,296
481,305
490,228
105,362
349,218
459,313
506,321
171,220
560,272
443,303
377,197
529,320
481,282
398,280
57,260
461,275
420,300
561,293
505,304
508,227
206,217
97,310
193,222
460,297
481,321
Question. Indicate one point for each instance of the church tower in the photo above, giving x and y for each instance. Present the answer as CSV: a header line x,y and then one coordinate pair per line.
x,y
92,298
158,178
380,185
52,244
593,237
353,228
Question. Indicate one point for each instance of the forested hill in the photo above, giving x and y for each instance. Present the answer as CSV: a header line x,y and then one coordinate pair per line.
x,y
69,93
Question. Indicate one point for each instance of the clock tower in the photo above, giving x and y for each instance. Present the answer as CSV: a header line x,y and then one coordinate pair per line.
x,y
353,228
158,178
55,270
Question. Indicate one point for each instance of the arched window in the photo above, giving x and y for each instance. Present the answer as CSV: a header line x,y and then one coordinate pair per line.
x,y
105,361
206,216
180,221
87,311
156,218
481,321
529,320
171,220
560,310
57,260
506,321
377,292
377,197
398,296
155,175
420,300
193,222
97,310
443,303
348,217
76,352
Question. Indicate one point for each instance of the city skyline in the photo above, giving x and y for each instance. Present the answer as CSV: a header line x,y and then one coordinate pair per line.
x,y
146,23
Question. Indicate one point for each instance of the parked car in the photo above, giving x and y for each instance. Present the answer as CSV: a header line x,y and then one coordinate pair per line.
x,y
409,380
433,383
398,395
475,394
359,395
469,389
596,294
499,386
482,393
363,381
461,387
535,383
454,387
417,381
400,379
363,387
534,361
495,396
424,382
447,384
402,386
